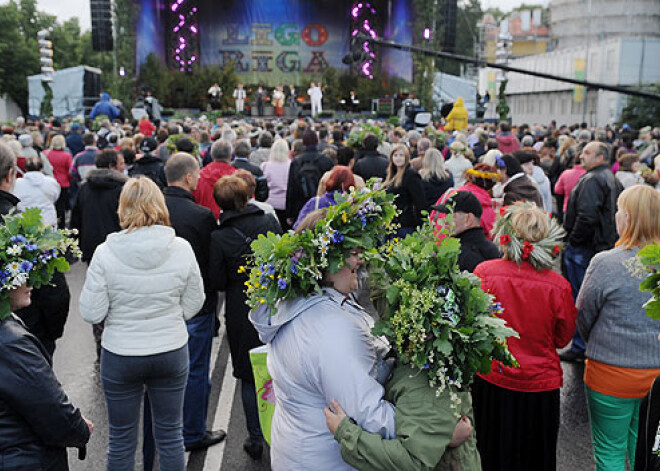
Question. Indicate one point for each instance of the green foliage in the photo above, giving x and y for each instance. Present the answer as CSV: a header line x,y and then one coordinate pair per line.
x,y
649,256
394,121
171,143
357,135
19,22
640,112
186,89
427,14
292,265
46,108
437,318
502,107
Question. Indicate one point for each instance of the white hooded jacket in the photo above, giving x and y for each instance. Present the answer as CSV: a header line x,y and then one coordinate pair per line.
x,y
321,348
145,283
38,190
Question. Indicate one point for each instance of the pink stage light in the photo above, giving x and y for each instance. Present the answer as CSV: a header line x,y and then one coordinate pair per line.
x,y
193,28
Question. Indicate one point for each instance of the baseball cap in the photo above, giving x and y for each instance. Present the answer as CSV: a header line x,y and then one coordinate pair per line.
x,y
461,201
148,145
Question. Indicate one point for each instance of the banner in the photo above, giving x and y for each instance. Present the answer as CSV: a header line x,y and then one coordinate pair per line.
x,y
580,74
275,42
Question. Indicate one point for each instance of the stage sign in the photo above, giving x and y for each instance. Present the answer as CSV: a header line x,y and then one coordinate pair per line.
x,y
275,42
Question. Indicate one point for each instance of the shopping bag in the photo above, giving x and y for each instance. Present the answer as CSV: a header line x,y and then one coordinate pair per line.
x,y
264,387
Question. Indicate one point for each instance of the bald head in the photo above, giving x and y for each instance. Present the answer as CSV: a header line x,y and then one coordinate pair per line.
x,y
182,170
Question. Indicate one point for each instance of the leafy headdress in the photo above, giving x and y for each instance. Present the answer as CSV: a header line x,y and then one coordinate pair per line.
x,y
541,253
30,252
437,318
291,265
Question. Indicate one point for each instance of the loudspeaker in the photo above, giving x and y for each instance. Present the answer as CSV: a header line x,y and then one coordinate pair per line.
x,y
450,12
101,25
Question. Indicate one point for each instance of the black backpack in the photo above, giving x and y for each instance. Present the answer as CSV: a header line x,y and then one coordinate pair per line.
x,y
309,176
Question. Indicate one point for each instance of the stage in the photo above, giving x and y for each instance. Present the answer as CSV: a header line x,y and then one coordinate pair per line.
x,y
273,42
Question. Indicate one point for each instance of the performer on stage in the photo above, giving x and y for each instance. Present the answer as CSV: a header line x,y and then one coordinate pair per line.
x,y
239,98
353,101
293,99
278,100
215,94
316,96
260,96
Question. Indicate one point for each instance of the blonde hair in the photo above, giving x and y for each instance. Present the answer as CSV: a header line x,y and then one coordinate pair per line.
x,y
394,173
141,204
279,151
58,142
642,204
530,223
126,143
433,165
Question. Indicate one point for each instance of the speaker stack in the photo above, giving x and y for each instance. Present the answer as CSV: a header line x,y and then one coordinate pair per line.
x,y
102,25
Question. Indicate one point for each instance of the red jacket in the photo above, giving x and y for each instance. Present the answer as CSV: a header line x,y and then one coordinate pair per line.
x,y
507,143
146,127
540,307
207,178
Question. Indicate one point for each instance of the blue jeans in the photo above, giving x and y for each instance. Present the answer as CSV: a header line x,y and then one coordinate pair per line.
x,y
124,379
198,389
576,262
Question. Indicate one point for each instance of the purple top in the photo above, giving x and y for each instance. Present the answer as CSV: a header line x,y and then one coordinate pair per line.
x,y
324,201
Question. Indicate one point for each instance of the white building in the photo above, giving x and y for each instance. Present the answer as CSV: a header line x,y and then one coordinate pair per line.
x,y
605,41
577,22
616,61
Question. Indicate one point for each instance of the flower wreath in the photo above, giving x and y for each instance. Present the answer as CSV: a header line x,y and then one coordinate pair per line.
x,y
485,175
541,254
30,252
437,318
291,265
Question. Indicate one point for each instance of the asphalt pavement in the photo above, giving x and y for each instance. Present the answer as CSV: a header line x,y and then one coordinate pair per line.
x,y
76,368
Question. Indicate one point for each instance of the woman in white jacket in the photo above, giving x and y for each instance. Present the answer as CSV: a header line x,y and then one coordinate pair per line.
x,y
145,282
37,190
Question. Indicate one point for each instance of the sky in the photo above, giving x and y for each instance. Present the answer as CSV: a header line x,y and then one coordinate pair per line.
x,y
65,9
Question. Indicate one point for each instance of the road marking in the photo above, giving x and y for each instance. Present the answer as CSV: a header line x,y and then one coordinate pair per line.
x,y
215,454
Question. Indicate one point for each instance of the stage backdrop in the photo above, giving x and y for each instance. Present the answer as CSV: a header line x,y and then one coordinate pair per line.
x,y
275,41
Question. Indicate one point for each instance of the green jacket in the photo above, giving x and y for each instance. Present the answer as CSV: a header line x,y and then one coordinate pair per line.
x,y
424,426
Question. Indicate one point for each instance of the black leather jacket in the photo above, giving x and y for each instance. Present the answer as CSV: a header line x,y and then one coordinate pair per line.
x,y
37,421
589,220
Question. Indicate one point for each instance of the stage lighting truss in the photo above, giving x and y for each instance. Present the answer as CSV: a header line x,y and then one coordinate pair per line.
x,y
363,20
183,35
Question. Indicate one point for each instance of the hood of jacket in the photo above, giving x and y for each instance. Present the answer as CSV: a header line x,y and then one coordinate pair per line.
x,y
459,103
105,96
146,247
105,178
35,178
268,324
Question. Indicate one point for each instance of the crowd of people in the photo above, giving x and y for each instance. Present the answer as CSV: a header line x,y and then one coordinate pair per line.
x,y
166,215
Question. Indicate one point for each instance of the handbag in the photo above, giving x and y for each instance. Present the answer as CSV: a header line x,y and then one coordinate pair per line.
x,y
264,386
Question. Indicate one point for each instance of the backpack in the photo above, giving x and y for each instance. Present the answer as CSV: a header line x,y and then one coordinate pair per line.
x,y
309,176
243,254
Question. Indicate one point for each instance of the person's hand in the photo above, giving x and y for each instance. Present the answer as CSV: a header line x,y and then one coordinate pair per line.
x,y
462,432
89,423
334,414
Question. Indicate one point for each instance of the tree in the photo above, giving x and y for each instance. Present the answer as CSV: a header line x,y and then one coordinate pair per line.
x,y
640,112
19,23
